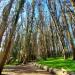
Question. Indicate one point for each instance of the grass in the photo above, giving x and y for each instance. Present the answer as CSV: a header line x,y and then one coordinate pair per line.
x,y
12,63
59,63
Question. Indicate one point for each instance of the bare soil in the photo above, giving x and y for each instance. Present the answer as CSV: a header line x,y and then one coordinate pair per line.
x,y
28,69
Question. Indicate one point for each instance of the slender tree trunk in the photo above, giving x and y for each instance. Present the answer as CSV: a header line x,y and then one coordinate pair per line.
x,y
73,45
57,23
73,4
6,12
71,34
8,46
5,55
73,48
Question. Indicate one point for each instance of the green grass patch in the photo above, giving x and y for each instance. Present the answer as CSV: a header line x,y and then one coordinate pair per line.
x,y
59,63
13,63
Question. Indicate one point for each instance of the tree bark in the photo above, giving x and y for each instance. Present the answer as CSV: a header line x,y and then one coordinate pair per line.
x,y
73,4
6,12
8,46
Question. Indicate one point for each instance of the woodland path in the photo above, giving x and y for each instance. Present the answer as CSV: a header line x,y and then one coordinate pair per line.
x,y
28,69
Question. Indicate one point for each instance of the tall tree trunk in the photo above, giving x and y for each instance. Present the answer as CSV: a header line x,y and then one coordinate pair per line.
x,y
8,46
73,4
71,34
6,12
73,48
5,55
56,22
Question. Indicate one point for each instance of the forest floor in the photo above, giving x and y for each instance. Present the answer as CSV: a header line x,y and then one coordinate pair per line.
x,y
28,69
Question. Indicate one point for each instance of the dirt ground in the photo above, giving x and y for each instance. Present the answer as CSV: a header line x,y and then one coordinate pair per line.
x,y
28,69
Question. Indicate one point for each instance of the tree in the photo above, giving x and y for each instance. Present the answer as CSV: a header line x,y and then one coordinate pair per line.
x,y
8,46
73,3
6,12
42,37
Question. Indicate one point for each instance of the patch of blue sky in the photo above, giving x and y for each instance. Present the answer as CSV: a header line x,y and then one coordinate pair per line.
x,y
30,1
3,3
47,14
70,29
58,8
68,2
46,11
74,41
36,12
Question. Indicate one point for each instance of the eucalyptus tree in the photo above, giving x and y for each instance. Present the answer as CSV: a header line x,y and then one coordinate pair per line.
x,y
30,13
65,27
42,37
52,10
70,23
72,35
32,55
59,27
12,32
73,3
5,14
